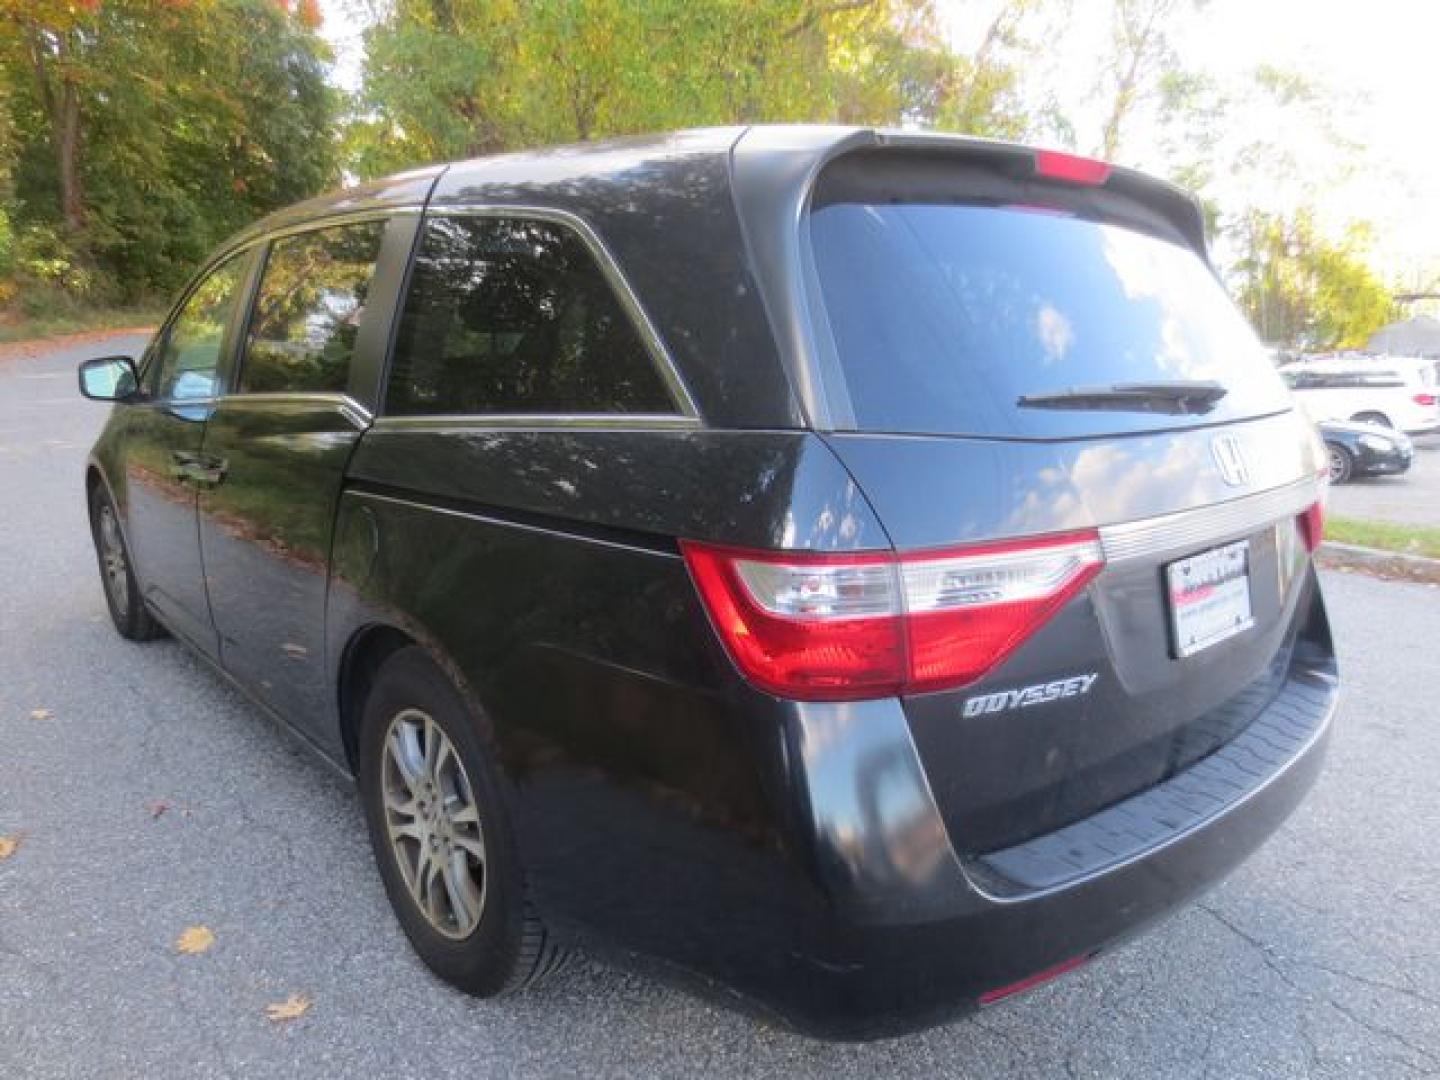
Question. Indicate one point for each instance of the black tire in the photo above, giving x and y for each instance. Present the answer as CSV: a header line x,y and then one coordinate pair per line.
x,y
1340,463
1372,418
508,947
117,575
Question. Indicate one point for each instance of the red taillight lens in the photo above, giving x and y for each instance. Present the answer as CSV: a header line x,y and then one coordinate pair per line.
x,y
1312,526
1425,400
1070,168
811,627
968,610
831,627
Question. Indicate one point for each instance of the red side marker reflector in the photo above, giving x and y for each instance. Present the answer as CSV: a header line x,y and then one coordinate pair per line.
x,y
1070,168
1032,981
1312,526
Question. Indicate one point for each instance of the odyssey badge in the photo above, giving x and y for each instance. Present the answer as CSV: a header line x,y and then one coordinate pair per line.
x,y
1025,696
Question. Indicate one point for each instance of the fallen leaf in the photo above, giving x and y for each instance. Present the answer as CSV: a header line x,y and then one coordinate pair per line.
x,y
195,939
292,1008
157,807
8,846
41,714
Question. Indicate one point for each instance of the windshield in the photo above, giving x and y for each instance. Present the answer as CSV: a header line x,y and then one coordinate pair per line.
x,y
945,317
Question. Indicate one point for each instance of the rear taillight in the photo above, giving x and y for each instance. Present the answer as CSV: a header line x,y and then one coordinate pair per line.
x,y
845,627
1312,526
1425,400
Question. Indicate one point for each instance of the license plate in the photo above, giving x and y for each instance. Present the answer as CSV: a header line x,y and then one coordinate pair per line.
x,y
1209,597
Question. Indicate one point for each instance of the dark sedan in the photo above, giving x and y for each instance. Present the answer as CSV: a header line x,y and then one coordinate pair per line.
x,y
1364,450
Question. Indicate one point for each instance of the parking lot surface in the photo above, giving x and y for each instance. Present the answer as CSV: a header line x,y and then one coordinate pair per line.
x,y
1412,498
147,798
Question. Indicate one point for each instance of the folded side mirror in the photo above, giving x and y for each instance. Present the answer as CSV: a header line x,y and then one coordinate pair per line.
x,y
109,378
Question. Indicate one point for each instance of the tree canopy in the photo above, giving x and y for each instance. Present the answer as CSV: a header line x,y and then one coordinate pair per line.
x,y
143,131
134,134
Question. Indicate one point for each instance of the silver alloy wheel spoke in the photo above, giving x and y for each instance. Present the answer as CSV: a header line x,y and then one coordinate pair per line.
x,y
433,823
406,754
471,846
112,554
460,888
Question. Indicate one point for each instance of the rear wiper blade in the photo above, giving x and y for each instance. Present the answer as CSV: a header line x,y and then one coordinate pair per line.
x,y
1182,397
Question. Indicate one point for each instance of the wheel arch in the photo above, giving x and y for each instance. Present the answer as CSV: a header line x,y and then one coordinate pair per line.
x,y
368,648
96,480
1383,418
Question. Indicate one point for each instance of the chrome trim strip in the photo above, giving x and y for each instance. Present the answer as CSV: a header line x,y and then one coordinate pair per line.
x,y
538,421
246,241
1205,526
353,410
660,356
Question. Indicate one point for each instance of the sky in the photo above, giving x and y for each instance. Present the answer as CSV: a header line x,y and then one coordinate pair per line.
x,y
1378,59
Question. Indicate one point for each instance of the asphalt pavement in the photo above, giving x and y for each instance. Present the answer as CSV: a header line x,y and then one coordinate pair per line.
x,y
1412,498
149,798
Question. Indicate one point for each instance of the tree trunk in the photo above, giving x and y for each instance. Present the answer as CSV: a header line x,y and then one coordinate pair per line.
x,y
62,110
67,161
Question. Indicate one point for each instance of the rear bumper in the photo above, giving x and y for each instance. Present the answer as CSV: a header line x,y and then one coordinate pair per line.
x,y
798,864
917,938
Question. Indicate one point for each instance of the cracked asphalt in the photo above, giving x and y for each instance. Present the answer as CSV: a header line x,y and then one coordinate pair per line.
x,y
1320,957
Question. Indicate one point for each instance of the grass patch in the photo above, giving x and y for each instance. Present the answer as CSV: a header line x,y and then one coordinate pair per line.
x,y
1407,539
16,326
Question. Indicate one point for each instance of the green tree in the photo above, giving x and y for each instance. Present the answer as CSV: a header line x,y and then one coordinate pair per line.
x,y
1141,58
1298,288
982,92
145,130
453,78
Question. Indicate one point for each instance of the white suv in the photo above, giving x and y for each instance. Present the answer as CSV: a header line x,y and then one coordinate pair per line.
x,y
1398,392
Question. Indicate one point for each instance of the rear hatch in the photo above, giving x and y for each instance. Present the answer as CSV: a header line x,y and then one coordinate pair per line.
x,y
1035,349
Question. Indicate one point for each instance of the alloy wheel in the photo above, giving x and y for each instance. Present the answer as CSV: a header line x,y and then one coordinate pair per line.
x,y
433,823
1337,465
112,558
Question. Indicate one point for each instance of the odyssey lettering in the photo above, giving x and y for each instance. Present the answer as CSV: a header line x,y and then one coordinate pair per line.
x,y
1025,696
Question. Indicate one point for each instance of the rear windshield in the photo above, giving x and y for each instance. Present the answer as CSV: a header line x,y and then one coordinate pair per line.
x,y
945,316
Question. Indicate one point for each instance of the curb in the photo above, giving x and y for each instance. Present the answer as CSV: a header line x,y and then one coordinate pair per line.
x,y
1392,565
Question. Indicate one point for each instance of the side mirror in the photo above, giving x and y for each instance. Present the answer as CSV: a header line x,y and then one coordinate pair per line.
x,y
109,378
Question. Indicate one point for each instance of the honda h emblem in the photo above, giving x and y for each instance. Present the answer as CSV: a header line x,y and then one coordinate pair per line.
x,y
1229,454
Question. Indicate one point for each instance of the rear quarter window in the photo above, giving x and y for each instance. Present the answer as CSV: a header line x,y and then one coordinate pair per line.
x,y
513,316
943,316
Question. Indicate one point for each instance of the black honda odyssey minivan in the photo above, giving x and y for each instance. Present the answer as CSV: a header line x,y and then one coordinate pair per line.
x,y
868,572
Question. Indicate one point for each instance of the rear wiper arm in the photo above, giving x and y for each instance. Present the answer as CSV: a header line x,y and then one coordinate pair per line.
x,y
1182,397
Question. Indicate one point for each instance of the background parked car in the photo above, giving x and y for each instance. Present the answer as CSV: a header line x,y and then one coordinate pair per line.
x,y
1396,393
1364,450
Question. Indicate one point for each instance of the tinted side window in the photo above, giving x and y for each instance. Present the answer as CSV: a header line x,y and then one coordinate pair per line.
x,y
514,316
185,366
308,309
